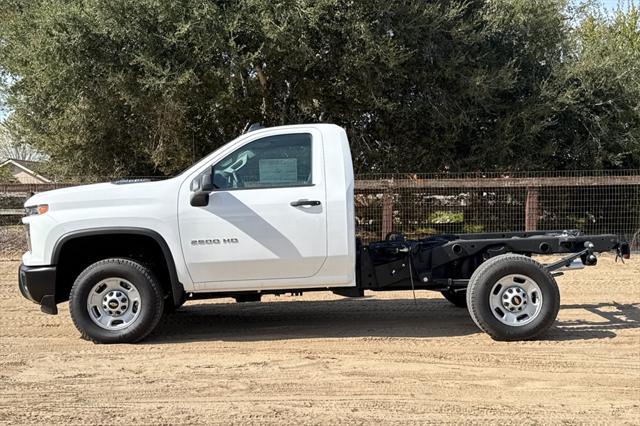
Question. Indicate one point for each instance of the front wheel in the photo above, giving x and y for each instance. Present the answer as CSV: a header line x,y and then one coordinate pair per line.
x,y
116,301
512,297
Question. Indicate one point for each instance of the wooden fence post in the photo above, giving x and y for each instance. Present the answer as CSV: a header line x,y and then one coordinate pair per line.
x,y
531,209
387,213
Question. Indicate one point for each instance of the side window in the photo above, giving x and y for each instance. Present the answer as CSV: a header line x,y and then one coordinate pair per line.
x,y
271,162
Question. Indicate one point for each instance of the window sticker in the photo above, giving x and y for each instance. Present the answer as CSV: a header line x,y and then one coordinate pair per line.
x,y
278,170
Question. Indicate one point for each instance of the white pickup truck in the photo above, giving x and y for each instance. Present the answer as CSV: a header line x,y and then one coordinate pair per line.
x,y
268,213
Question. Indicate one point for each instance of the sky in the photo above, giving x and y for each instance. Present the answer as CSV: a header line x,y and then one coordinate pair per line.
x,y
611,4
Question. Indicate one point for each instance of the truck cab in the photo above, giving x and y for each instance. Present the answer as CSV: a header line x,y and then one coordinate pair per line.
x,y
270,212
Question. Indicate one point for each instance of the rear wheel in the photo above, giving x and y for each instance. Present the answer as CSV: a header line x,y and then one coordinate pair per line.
x,y
512,297
116,301
457,298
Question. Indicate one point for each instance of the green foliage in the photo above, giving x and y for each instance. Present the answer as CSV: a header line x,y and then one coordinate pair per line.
x,y
422,231
6,176
143,87
594,116
441,216
473,228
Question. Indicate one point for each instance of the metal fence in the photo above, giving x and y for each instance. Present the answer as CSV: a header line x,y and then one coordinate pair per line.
x,y
425,204
419,205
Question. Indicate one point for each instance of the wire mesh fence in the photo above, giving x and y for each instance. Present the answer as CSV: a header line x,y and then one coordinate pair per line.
x,y
419,205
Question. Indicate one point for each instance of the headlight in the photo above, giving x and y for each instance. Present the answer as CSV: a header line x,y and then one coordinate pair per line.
x,y
36,210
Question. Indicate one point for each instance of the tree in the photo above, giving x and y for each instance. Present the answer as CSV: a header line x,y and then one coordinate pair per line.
x,y
6,176
145,87
593,120
10,147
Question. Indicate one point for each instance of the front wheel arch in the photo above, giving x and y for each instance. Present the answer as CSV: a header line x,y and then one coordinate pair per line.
x,y
85,241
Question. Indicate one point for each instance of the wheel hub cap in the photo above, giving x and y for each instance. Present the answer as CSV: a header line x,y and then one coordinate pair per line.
x,y
516,300
114,304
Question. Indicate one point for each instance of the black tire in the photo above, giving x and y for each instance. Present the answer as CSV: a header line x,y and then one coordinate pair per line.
x,y
493,270
150,307
243,298
459,298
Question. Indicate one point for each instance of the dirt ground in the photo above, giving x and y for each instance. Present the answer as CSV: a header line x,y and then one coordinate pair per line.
x,y
323,359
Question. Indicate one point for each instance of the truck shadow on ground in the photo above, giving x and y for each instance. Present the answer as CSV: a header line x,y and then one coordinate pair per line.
x,y
368,317
604,319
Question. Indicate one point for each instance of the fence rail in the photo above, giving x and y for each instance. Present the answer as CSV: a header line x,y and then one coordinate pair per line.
x,y
26,188
506,182
422,204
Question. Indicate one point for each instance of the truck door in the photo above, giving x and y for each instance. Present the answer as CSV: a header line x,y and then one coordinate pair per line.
x,y
266,218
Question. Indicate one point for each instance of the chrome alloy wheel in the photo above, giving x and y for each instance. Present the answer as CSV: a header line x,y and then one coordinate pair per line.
x,y
114,304
515,300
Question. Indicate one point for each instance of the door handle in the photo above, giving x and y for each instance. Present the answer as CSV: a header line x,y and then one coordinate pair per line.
x,y
300,203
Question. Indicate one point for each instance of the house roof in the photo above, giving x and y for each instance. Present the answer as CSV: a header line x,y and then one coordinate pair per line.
x,y
25,165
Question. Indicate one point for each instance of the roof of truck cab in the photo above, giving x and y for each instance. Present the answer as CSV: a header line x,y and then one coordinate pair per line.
x,y
297,126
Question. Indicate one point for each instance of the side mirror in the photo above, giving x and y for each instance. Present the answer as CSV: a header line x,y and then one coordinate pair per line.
x,y
200,197
206,182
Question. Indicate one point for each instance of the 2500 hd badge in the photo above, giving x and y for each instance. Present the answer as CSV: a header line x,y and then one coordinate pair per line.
x,y
213,241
